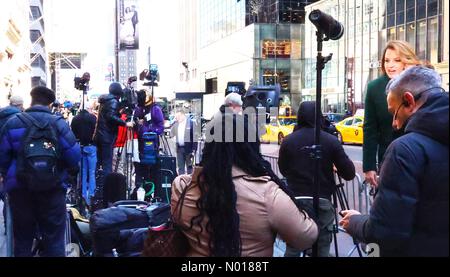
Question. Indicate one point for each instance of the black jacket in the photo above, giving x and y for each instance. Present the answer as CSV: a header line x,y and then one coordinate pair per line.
x,y
409,216
83,127
108,119
296,165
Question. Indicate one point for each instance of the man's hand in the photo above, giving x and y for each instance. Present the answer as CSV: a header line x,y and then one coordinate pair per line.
x,y
346,220
371,178
141,122
130,124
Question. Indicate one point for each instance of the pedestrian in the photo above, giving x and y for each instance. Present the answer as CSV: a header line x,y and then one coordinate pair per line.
x,y
107,126
296,165
234,205
38,208
378,132
409,216
83,127
15,106
184,130
233,102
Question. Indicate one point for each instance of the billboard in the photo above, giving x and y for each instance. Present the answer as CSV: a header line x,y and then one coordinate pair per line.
x,y
128,22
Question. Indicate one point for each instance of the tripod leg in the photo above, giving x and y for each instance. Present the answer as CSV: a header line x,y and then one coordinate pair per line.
x,y
335,227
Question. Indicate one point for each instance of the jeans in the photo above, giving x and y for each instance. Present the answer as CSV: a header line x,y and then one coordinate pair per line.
x,y
104,157
184,161
42,211
89,162
325,223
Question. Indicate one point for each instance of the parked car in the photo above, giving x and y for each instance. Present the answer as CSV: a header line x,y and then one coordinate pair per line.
x,y
350,130
279,128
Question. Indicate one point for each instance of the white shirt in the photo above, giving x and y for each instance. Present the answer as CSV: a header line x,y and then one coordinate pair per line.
x,y
181,130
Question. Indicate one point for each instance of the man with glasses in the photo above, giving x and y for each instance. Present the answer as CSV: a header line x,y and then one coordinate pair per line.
x,y
410,216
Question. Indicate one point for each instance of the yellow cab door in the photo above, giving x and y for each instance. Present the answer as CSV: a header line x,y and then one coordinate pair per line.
x,y
357,130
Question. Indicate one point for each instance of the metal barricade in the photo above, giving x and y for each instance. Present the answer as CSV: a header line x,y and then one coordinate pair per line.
x,y
356,195
274,164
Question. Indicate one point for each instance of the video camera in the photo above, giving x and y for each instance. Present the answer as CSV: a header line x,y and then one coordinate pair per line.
x,y
151,75
82,83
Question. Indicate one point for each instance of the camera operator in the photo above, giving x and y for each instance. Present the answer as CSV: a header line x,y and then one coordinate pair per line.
x,y
107,124
296,165
150,119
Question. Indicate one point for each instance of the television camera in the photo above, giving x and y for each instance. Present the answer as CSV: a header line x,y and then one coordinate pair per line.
x,y
82,83
151,75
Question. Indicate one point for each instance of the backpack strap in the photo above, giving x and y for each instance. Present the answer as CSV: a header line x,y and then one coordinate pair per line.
x,y
29,120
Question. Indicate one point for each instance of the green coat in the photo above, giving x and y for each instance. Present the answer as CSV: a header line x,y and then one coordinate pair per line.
x,y
378,131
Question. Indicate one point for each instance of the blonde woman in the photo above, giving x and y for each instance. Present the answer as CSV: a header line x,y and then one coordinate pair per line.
x,y
378,132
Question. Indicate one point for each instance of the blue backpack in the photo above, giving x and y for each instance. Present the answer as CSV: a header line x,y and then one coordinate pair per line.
x,y
37,161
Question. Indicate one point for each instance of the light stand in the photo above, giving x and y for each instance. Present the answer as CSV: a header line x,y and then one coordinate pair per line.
x,y
327,28
316,149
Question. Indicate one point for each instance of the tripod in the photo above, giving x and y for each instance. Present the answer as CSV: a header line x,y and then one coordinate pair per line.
x,y
128,146
340,198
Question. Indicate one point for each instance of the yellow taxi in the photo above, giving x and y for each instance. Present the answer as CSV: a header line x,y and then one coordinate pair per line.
x,y
279,128
350,130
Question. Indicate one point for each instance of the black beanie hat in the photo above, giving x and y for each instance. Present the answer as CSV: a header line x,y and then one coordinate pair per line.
x,y
116,89
43,95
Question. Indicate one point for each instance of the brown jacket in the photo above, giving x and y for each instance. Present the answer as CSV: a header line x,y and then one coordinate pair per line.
x,y
264,211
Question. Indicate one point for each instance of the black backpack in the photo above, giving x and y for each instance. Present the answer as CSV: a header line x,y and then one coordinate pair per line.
x,y
37,161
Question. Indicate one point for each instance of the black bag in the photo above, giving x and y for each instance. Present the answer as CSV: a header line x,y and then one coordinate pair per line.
x,y
114,188
37,161
108,227
168,174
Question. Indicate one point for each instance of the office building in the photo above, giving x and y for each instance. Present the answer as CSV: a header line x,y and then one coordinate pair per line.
x,y
368,25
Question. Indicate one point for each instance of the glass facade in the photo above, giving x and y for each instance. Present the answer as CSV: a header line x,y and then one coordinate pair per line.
x,y
276,11
219,19
278,56
423,27
369,25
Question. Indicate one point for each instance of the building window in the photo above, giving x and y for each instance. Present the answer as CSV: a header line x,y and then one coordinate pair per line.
x,y
432,7
391,34
421,42
34,35
421,9
35,12
433,40
282,49
410,11
401,32
411,34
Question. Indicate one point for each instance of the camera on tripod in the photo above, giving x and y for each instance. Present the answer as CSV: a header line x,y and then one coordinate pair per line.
x,y
82,83
129,98
151,75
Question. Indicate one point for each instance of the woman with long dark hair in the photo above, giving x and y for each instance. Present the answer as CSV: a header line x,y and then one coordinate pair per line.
x,y
234,205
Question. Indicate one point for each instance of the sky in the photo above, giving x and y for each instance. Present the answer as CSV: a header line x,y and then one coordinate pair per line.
x,y
88,26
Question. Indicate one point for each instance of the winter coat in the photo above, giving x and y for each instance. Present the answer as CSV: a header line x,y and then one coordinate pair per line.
x,y
378,131
11,140
153,122
264,211
108,119
6,113
297,166
409,216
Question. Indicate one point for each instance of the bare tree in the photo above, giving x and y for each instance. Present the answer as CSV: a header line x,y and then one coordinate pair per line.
x,y
256,8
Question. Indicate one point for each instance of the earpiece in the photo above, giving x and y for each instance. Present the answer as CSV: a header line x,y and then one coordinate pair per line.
x,y
405,103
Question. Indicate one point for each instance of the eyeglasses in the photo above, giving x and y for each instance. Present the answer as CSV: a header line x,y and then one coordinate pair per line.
x,y
416,97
